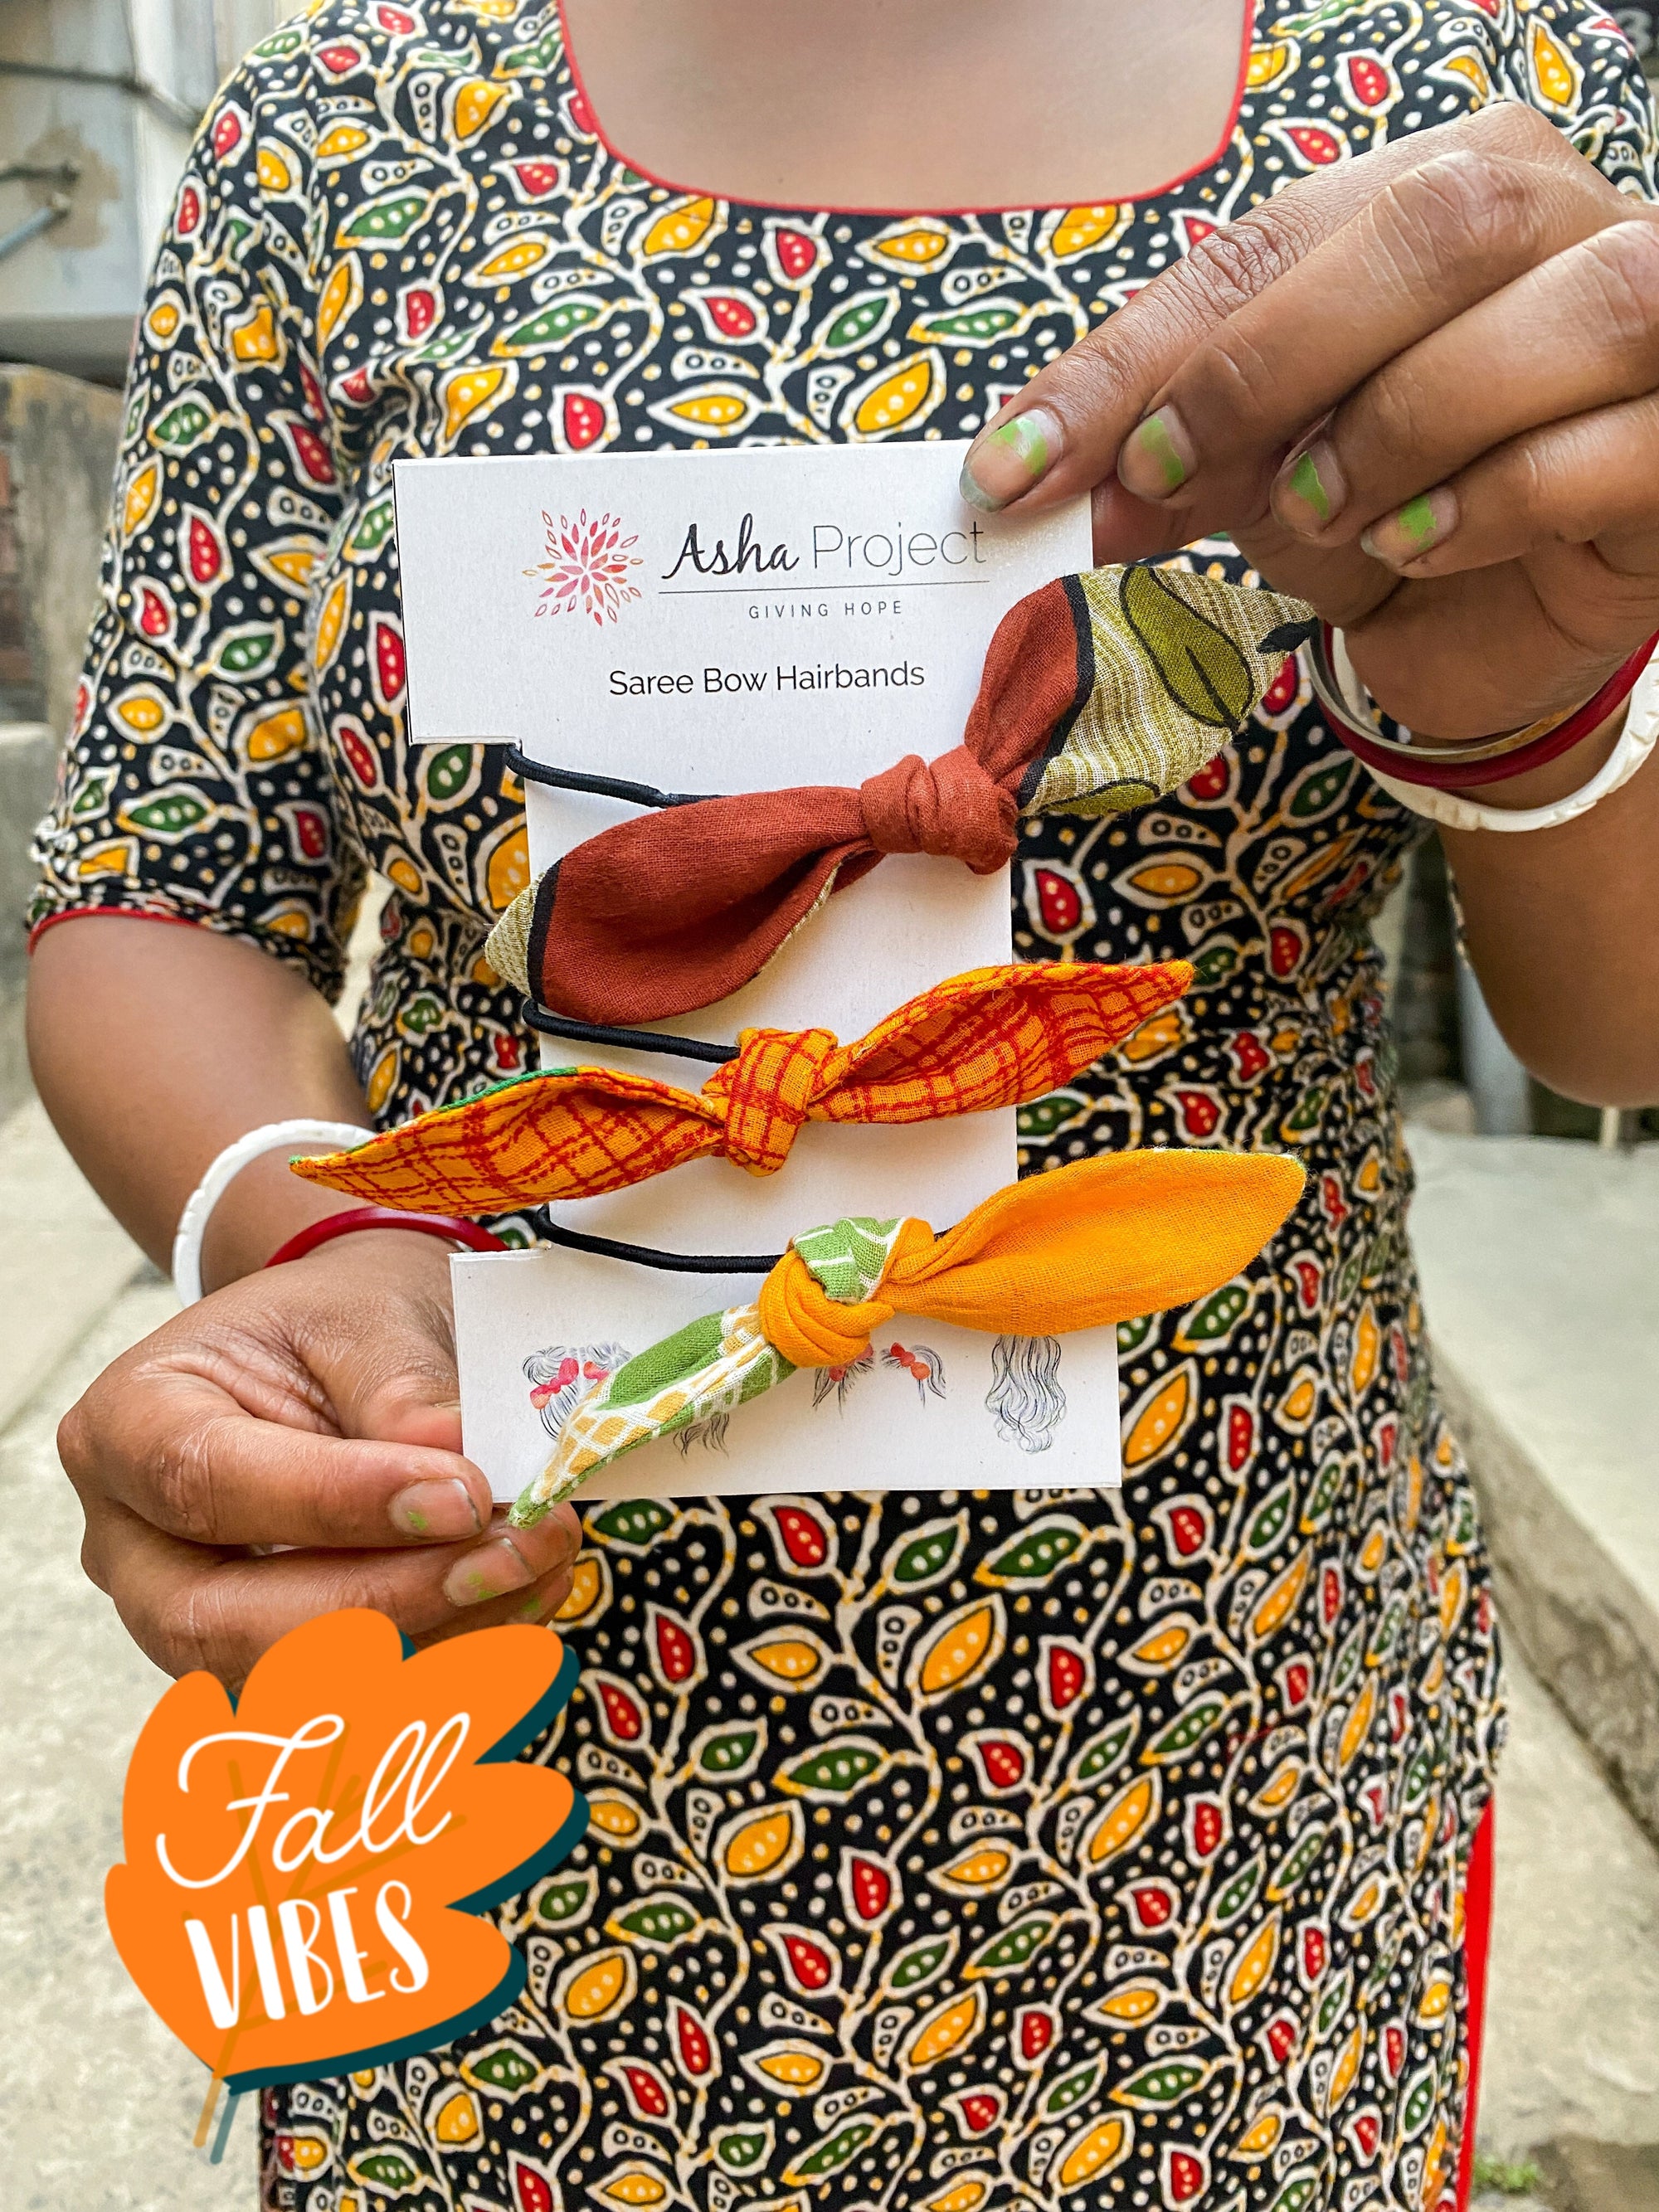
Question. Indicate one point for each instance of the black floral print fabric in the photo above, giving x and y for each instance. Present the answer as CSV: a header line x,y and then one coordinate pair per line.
x,y
950,1853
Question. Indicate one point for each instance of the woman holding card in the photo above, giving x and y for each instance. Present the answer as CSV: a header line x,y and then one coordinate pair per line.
x,y
1267,1668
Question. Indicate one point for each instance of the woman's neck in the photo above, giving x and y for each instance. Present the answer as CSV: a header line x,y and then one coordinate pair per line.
x,y
911,105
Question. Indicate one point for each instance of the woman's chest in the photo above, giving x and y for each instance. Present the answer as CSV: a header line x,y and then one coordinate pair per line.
x,y
526,292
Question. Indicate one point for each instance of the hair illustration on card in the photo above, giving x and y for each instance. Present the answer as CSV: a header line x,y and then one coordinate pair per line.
x,y
926,1368
710,1434
562,1374
839,1380
1025,1394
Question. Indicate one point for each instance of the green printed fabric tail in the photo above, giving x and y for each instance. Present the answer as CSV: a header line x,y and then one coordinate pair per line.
x,y
1168,665
708,1368
849,1257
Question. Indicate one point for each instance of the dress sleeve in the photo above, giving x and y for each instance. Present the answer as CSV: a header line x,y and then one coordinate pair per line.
x,y
194,787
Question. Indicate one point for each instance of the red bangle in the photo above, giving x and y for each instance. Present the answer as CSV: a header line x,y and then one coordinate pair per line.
x,y
354,1217
1448,773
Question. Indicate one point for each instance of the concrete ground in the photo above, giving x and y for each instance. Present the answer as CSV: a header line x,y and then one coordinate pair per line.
x,y
1537,1257
1572,2036
97,2103
62,1258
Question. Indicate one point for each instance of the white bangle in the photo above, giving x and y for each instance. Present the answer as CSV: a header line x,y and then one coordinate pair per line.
x,y
336,1136
1636,742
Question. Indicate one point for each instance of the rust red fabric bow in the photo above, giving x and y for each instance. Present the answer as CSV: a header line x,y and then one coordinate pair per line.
x,y
678,910
1099,692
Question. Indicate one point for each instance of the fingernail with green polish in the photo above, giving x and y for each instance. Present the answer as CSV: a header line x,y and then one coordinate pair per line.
x,y
1311,490
1158,456
1413,530
1003,463
490,1571
1417,519
443,1507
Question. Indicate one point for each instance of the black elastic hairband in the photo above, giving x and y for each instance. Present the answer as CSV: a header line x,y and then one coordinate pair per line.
x,y
1289,637
678,1047
603,787
671,1263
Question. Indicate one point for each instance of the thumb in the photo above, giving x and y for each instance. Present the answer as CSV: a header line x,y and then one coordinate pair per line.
x,y
406,1389
400,1418
384,1345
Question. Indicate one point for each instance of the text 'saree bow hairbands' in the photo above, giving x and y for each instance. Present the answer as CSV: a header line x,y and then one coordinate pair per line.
x,y
1100,692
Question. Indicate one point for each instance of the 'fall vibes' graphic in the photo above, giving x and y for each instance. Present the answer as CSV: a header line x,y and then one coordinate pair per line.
x,y
307,1867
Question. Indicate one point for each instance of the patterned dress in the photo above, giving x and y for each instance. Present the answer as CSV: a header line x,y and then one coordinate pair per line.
x,y
957,1852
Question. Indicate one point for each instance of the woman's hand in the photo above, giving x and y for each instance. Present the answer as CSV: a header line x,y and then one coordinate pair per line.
x,y
315,1406
1420,390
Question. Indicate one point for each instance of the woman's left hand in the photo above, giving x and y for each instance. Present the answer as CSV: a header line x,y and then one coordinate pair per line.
x,y
1419,389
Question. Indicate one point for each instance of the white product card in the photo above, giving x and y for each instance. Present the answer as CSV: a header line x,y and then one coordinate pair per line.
x,y
713,622
729,621
931,1408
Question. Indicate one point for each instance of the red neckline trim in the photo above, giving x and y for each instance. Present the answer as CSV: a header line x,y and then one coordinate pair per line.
x,y
1014,207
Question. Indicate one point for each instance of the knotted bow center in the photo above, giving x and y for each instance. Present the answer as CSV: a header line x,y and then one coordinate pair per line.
x,y
767,1091
800,1319
948,808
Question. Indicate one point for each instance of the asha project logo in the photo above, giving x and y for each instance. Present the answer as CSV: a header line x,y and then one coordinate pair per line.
x,y
585,568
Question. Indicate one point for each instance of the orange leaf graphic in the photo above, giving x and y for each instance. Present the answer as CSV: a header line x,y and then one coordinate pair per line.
x,y
305,1867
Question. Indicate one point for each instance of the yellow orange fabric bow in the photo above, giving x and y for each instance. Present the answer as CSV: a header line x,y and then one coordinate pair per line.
x,y
1100,1241
994,1036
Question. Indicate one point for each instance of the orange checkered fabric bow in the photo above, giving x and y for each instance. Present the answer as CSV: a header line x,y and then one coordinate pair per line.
x,y
994,1036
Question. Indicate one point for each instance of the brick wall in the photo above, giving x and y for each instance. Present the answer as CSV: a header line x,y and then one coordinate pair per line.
x,y
58,444
18,689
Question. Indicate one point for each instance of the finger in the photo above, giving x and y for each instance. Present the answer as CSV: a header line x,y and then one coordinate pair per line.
x,y
510,1559
1341,583
188,1607
1085,404
1433,244
1438,405
1589,483
173,1448
1127,529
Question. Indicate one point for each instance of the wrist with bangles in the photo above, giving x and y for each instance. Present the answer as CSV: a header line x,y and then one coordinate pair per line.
x,y
276,1136
1429,779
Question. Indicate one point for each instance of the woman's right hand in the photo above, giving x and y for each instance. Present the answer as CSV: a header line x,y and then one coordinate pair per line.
x,y
315,1406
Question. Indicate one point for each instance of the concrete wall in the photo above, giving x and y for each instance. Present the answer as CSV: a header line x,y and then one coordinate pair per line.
x,y
57,446
99,101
